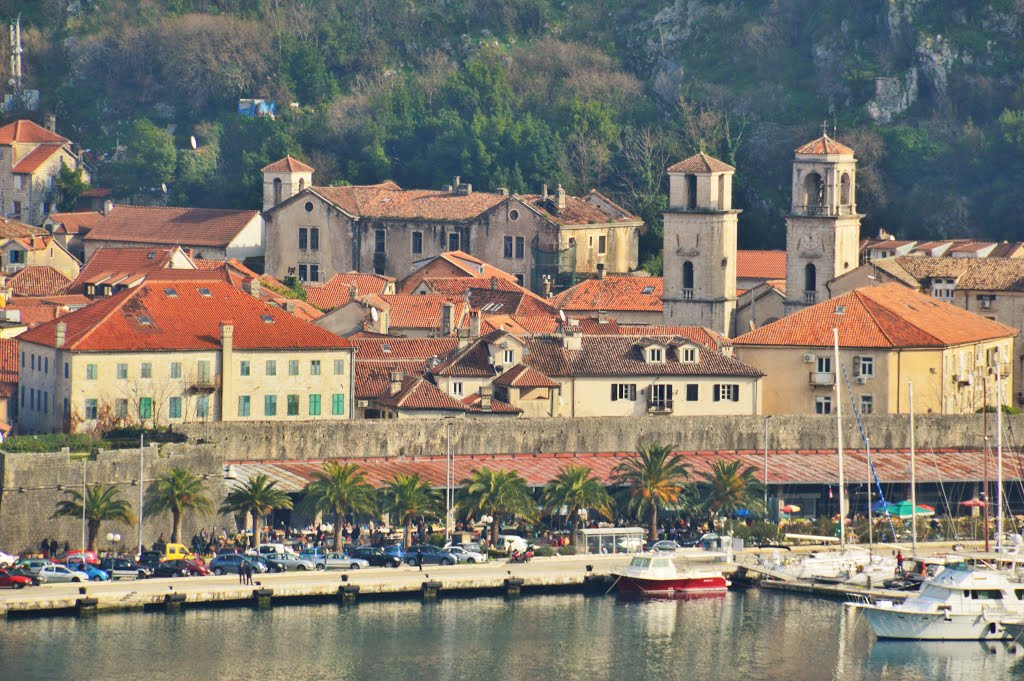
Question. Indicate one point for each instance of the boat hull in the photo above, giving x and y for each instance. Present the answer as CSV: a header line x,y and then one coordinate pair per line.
x,y
702,584
891,623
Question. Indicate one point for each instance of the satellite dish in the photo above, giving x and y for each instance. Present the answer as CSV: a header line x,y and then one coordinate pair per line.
x,y
561,315
192,141
163,187
373,314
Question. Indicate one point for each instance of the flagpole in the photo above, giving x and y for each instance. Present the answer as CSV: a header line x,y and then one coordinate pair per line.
x,y
913,477
839,442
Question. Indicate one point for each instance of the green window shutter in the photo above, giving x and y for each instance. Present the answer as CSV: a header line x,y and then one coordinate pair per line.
x,y
314,405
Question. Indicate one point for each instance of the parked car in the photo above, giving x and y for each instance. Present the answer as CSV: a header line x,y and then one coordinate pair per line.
x,y
33,565
313,553
463,555
341,561
511,542
280,562
125,568
395,550
666,546
177,552
375,557
14,581
431,555
227,564
7,560
96,574
180,568
90,557
269,548
21,572
53,574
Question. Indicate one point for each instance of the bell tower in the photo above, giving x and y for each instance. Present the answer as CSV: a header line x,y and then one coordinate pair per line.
x,y
700,245
284,179
823,226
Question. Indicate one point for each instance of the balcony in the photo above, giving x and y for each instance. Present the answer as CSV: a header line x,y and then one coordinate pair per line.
x,y
659,406
824,211
826,378
204,384
810,297
687,294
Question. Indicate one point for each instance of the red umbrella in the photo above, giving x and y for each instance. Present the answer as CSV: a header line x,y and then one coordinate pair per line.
x,y
973,503
790,508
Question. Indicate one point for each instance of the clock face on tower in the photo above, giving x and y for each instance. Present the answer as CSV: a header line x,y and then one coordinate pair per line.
x,y
809,245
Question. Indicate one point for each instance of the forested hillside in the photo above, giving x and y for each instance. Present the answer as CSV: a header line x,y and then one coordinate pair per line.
x,y
514,93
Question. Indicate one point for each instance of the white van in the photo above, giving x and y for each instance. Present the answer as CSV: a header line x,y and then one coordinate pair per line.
x,y
265,549
510,542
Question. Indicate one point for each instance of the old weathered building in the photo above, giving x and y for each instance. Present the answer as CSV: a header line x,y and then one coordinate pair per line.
x,y
31,156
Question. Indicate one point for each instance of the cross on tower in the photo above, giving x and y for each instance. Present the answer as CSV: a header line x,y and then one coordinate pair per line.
x,y
824,128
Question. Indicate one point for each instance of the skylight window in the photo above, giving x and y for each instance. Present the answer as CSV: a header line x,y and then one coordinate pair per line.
x,y
648,289
143,319
840,309
267,319
150,255
205,293
385,347
170,293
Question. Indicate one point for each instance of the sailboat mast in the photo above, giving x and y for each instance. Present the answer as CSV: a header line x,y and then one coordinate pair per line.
x,y
839,442
913,477
999,458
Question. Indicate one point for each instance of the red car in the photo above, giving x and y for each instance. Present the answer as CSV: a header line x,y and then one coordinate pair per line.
x,y
14,581
90,557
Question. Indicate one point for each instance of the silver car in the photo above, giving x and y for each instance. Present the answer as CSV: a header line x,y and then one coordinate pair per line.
x,y
341,561
466,556
280,562
53,574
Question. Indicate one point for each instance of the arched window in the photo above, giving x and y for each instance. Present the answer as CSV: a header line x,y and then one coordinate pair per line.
x,y
814,191
277,190
691,192
302,183
844,189
810,278
688,274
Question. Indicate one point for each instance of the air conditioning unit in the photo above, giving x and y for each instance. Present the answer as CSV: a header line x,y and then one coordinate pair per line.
x,y
861,380
362,404
986,304
808,358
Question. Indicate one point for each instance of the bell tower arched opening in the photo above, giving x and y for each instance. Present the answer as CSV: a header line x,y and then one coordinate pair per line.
x,y
691,192
814,191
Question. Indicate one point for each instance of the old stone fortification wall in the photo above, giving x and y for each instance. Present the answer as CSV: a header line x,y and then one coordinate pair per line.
x,y
24,516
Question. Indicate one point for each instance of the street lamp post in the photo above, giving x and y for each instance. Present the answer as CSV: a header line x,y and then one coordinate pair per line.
x,y
85,493
766,419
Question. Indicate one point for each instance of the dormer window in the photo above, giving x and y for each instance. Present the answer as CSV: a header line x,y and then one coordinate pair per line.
x,y
689,355
508,357
656,355
942,287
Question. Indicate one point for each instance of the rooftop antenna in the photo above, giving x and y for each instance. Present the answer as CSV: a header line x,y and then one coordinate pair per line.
x,y
16,50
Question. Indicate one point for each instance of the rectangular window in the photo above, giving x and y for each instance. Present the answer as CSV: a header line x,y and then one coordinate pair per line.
x,y
661,397
243,368
270,405
121,408
655,355
457,388
293,405
417,243
508,356
32,399
303,273
602,245
175,369
823,404
314,238
867,404
147,370
865,366
727,392
46,403
824,365
337,405
271,367
67,408
203,406
91,410
379,241
67,369
692,392
122,371
339,367
174,408
244,405
314,367
303,238
314,273
520,247
314,405
623,391
32,362
521,279
293,367
90,372
145,408
46,365
508,247
203,372
454,241
689,355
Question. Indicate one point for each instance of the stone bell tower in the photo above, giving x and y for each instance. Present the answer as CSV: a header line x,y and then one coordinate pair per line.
x,y
823,226
700,245
284,179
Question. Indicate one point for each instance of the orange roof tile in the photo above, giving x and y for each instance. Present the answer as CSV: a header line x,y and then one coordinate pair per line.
x,y
523,376
419,393
579,210
624,293
183,315
701,163
423,312
388,200
35,158
760,264
824,146
698,334
74,223
121,265
287,165
10,229
390,349
39,280
27,131
886,316
171,225
337,290
8,360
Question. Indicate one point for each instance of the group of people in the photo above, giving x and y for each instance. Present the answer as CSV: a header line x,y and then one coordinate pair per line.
x,y
245,572
50,549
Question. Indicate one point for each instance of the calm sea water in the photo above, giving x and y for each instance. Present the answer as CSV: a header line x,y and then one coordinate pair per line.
x,y
752,635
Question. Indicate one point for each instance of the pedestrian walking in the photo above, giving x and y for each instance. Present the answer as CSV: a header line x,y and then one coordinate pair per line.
x,y
899,563
241,571
248,572
419,558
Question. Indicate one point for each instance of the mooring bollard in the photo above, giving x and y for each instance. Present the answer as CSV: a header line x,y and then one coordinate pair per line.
x,y
86,607
514,586
430,590
173,602
347,593
262,597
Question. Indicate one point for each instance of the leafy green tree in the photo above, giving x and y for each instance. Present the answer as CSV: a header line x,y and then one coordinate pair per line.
x,y
308,72
576,488
497,493
726,489
340,489
102,504
409,498
176,491
70,184
150,158
654,479
257,497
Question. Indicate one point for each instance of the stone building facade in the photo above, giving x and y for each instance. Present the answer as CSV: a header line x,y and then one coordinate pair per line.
x,y
31,156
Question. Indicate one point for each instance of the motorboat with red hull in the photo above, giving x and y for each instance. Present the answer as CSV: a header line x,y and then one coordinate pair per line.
x,y
657,575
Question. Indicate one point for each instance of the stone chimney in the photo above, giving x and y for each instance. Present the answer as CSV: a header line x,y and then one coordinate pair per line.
x,y
455,184
486,393
61,335
395,379
474,323
289,306
227,335
560,196
600,270
108,206
494,283
254,288
602,317
571,338
502,191
50,122
544,191
447,312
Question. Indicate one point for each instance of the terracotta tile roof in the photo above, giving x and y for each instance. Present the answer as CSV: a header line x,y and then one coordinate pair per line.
x,y
472,404
74,223
121,265
423,312
419,393
1008,250
372,379
36,311
504,322
470,361
97,192
287,165
455,264
10,229
337,290
386,348
8,360
515,303
388,201
972,274
760,264
886,316
593,209
457,286
27,131
173,226
40,280
33,243
523,376
701,163
183,315
698,334
624,293
824,146
35,158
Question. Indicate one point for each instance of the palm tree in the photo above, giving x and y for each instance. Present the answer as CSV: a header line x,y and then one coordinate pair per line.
x,y
102,503
726,489
654,479
576,488
176,491
339,489
257,497
409,497
497,493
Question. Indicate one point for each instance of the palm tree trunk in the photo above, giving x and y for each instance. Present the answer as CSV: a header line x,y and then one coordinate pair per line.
x,y
256,522
338,518
654,523
408,532
94,530
495,529
176,525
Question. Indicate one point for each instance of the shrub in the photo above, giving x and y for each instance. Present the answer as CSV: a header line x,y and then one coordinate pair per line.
x,y
77,442
567,551
436,539
544,551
